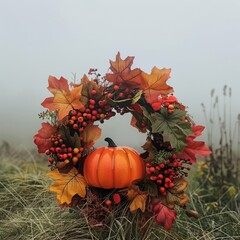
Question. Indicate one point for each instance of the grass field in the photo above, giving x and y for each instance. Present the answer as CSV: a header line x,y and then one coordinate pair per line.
x,y
29,211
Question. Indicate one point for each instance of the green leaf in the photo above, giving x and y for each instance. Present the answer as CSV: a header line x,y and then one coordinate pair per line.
x,y
151,188
174,129
73,141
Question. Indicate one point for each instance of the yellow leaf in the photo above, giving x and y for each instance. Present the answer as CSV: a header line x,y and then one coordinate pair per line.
x,y
232,191
138,198
139,202
67,185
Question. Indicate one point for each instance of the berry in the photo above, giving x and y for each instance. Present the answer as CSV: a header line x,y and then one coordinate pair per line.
x,y
110,95
171,106
84,124
162,189
73,112
71,122
160,176
80,119
153,178
74,160
75,150
121,95
75,126
66,161
58,150
116,87
51,160
148,165
108,202
92,101
162,165
167,180
152,169
48,152
93,92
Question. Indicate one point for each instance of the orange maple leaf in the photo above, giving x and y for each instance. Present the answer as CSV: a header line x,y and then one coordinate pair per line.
x,y
67,185
122,73
64,100
154,84
90,135
138,198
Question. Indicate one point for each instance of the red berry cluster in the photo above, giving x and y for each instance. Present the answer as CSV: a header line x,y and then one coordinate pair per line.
x,y
118,93
94,111
59,152
163,174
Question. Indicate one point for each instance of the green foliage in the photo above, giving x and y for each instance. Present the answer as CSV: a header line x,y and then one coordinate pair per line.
x,y
219,173
29,211
174,130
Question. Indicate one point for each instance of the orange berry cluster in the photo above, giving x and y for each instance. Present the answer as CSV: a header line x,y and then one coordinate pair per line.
x,y
95,110
59,152
163,174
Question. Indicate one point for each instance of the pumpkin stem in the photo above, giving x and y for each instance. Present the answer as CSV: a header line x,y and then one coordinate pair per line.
x,y
110,142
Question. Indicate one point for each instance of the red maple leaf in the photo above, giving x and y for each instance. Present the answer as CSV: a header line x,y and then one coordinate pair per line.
x,y
194,148
122,73
164,215
43,138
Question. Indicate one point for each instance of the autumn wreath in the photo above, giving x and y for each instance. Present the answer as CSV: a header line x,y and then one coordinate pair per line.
x,y
105,178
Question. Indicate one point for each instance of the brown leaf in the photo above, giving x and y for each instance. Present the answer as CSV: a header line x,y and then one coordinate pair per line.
x,y
67,185
152,151
176,194
192,213
88,86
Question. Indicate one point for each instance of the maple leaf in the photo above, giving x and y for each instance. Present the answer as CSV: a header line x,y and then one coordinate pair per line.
x,y
55,85
154,84
137,197
176,194
90,135
43,138
194,148
69,139
88,86
67,185
152,151
164,215
122,73
174,129
64,100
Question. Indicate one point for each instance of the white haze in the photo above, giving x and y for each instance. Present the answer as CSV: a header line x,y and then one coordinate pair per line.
x,y
199,40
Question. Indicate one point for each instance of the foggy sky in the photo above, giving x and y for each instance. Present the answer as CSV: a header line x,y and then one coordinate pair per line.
x,y
198,40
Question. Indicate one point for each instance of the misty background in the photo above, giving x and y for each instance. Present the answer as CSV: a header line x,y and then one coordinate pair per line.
x,y
198,40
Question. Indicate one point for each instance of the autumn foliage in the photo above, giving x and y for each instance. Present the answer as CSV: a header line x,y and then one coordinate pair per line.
x,y
104,179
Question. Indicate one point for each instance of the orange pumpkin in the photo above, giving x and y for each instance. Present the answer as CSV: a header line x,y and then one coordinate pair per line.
x,y
113,167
